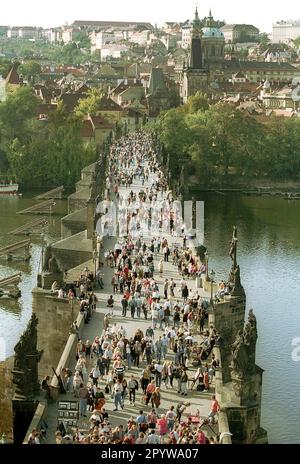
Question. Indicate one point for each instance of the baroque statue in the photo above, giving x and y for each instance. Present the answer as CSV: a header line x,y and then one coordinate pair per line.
x,y
243,349
50,265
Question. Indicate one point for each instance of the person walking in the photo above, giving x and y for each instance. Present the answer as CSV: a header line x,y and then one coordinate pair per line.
x,y
132,388
171,417
156,398
149,390
166,288
124,303
83,399
214,409
118,390
160,267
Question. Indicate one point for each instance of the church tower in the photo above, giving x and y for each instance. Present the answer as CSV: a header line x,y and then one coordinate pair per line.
x,y
194,74
213,43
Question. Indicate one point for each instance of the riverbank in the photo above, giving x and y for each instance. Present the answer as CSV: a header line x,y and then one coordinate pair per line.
x,y
254,186
6,395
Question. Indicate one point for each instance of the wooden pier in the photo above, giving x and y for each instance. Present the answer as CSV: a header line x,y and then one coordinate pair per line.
x,y
54,194
41,208
9,286
19,250
30,228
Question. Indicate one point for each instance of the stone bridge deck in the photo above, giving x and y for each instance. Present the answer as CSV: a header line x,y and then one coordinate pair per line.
x,y
199,401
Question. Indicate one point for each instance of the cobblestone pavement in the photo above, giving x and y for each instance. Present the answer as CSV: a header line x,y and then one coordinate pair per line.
x,y
199,400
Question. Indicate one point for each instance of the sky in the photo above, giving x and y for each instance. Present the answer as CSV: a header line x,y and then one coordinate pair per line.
x,y
58,12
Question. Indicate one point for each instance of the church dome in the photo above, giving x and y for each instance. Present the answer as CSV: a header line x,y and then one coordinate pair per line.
x,y
212,33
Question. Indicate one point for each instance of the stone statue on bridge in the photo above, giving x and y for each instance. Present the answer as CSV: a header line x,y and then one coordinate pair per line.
x,y
243,350
50,265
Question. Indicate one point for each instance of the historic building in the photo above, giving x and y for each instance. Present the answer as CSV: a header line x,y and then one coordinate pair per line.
x,y
193,76
207,66
157,94
213,43
239,33
285,32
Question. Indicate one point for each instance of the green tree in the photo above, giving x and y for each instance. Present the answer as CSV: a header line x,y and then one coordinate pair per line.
x,y
30,70
5,66
82,39
197,102
90,104
176,137
264,41
52,152
297,42
15,113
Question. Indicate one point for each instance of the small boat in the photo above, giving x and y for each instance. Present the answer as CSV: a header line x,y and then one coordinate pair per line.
x,y
292,196
8,187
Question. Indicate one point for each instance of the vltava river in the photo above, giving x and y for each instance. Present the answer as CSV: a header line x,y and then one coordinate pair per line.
x,y
14,315
269,255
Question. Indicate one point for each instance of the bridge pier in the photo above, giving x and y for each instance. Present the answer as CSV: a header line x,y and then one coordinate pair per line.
x,y
19,250
9,286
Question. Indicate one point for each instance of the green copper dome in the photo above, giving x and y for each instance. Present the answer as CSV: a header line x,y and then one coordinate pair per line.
x,y
212,32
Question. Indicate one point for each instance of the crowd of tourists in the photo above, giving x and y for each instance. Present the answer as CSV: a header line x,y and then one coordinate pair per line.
x,y
175,351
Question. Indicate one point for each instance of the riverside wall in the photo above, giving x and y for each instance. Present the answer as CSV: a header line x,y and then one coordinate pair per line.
x,y
56,315
6,393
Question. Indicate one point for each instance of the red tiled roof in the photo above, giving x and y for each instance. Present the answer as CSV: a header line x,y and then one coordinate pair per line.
x,y
107,104
120,88
100,123
13,76
111,23
45,109
87,129
70,100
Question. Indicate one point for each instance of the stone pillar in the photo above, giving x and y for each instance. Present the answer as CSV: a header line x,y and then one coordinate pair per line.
x,y
23,412
6,395
91,206
244,409
56,316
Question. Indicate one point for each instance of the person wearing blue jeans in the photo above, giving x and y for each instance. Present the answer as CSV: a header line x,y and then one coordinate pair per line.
x,y
118,389
83,397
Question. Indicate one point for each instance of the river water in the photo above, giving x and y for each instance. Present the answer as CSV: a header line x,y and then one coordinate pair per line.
x,y
15,314
268,253
269,256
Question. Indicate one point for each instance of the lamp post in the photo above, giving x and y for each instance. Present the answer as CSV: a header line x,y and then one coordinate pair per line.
x,y
95,257
206,266
212,277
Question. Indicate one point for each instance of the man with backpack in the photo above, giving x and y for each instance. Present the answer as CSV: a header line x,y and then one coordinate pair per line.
x,y
142,422
133,386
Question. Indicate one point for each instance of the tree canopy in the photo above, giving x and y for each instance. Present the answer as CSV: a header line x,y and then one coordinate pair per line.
x,y
219,142
42,152
30,69
90,103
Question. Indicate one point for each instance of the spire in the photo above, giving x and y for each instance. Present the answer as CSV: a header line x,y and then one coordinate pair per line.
x,y
13,76
197,30
210,20
196,48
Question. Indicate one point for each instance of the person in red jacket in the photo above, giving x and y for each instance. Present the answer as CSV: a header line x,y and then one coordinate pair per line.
x,y
214,409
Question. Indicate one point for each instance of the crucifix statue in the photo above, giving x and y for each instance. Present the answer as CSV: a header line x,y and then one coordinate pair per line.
x,y
233,253
233,247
